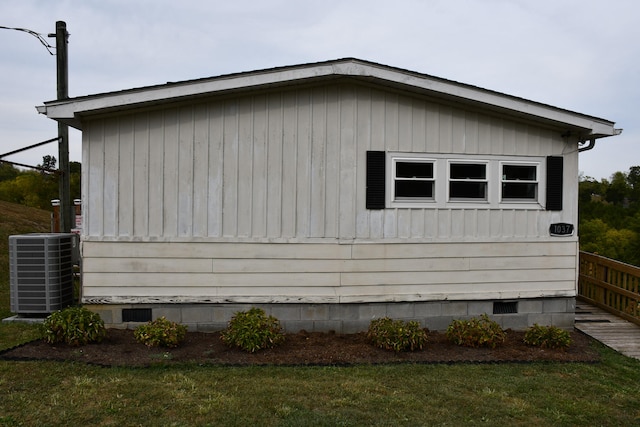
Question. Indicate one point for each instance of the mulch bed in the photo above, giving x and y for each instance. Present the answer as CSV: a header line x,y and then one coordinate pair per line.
x,y
121,349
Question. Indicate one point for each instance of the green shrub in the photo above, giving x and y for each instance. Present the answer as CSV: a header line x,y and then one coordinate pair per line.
x,y
253,330
397,335
547,337
73,326
160,333
476,332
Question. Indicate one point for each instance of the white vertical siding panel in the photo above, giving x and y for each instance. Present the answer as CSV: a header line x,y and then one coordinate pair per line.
x,y
497,136
110,191
446,129
170,173
364,138
444,223
201,171
332,163
405,124
458,222
185,171
347,186
94,173
508,222
484,135
458,131
243,167
216,159
521,139
289,164
483,223
390,223
417,223
471,133
156,174
230,172
303,190
419,126
260,177
141,182
403,223
510,146
431,223
432,117
549,141
274,165
318,162
470,228
125,182
391,124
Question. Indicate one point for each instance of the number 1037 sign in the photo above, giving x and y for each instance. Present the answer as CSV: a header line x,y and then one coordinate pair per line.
x,y
561,229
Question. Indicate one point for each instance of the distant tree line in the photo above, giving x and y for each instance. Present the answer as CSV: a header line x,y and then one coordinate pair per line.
x,y
36,188
609,216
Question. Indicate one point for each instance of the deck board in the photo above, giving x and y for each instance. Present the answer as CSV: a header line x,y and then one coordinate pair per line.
x,y
611,330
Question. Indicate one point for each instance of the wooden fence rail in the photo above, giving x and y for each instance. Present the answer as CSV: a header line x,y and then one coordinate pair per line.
x,y
611,285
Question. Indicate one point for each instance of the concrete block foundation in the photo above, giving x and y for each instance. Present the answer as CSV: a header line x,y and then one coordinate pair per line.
x,y
351,318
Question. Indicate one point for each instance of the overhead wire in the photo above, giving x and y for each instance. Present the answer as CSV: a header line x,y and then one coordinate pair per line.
x,y
39,36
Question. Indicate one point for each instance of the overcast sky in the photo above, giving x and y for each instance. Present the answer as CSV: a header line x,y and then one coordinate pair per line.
x,y
581,55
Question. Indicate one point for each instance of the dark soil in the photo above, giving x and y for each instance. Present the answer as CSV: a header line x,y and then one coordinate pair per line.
x,y
121,349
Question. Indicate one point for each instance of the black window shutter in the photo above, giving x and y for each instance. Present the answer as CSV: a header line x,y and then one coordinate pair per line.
x,y
554,183
376,161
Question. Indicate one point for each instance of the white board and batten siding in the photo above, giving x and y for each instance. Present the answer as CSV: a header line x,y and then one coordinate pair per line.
x,y
262,199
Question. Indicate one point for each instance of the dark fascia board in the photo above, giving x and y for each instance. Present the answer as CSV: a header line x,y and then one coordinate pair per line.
x,y
71,111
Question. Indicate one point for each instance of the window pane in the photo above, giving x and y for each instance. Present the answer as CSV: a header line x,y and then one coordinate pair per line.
x,y
468,171
468,190
512,190
519,172
414,170
413,189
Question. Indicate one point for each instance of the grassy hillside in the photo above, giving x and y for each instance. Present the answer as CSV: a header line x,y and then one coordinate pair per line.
x,y
16,219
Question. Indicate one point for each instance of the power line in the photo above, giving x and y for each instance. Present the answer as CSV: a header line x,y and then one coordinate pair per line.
x,y
39,36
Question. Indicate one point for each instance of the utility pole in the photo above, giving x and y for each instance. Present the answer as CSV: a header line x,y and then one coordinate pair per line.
x,y
64,186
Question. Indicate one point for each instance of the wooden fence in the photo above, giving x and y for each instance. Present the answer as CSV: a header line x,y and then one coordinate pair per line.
x,y
611,285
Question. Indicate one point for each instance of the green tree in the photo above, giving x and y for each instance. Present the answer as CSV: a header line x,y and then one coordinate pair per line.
x,y
8,171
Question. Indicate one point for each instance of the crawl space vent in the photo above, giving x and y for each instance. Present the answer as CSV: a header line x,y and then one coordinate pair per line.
x,y
136,314
505,307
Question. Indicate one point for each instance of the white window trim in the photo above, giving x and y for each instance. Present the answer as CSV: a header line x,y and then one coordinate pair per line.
x,y
441,164
392,161
536,181
486,180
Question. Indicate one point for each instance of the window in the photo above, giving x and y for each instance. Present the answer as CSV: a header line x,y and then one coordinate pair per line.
x,y
414,179
467,181
432,180
519,182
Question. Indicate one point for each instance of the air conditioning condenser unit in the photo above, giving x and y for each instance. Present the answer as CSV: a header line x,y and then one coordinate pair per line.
x,y
41,272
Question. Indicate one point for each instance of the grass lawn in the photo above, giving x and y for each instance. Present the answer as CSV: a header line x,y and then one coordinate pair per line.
x,y
38,393
54,393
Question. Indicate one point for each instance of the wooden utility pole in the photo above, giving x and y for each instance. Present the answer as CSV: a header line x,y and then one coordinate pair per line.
x,y
64,186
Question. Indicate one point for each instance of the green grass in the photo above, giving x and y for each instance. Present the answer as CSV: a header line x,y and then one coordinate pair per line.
x,y
540,394
54,393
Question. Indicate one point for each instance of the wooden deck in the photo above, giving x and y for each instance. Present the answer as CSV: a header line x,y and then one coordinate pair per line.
x,y
611,330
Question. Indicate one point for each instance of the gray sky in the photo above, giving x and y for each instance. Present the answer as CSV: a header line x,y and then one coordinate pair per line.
x,y
581,55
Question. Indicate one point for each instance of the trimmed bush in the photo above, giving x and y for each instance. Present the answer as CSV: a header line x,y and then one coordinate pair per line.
x,y
160,333
73,326
397,335
476,332
253,330
547,337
